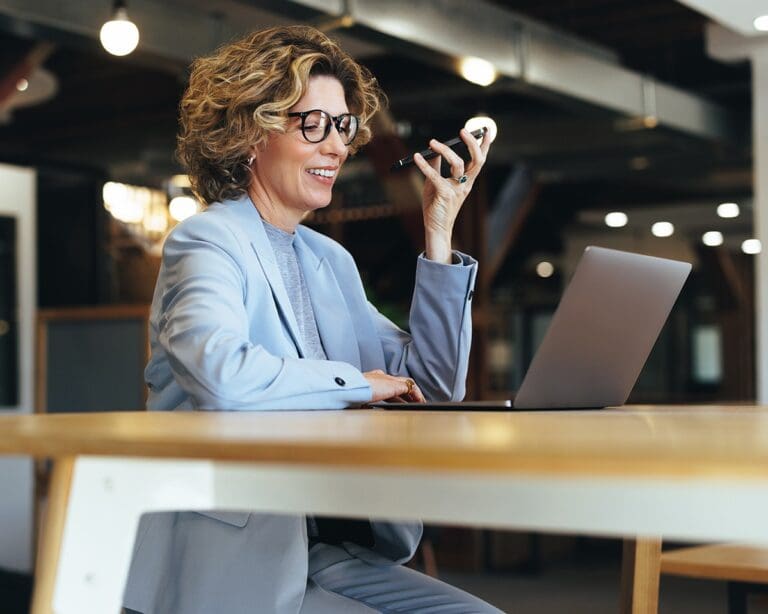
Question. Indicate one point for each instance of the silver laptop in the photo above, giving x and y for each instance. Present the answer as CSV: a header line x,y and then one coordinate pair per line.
x,y
604,328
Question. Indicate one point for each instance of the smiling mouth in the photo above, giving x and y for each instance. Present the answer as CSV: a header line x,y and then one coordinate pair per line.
x,y
322,172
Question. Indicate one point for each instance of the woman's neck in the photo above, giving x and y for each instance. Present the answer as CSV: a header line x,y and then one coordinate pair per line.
x,y
272,211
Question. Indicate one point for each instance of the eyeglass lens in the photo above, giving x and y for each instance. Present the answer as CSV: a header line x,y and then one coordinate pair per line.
x,y
317,126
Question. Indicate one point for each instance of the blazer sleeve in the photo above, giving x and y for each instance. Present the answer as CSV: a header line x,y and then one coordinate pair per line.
x,y
204,330
436,352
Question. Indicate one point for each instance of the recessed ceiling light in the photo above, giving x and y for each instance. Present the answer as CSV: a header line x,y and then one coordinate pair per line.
x,y
761,23
663,229
545,269
713,238
751,246
728,210
616,219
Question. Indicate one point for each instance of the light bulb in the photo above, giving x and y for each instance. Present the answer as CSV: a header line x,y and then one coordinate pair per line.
x,y
545,269
713,238
478,70
182,207
616,219
663,229
156,222
482,121
728,210
751,246
120,35
761,23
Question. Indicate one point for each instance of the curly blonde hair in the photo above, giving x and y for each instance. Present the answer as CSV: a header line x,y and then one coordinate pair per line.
x,y
240,94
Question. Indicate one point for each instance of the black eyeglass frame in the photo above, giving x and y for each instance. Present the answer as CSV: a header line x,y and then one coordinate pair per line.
x,y
336,121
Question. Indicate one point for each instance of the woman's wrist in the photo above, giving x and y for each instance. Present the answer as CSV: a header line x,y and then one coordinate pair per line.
x,y
438,248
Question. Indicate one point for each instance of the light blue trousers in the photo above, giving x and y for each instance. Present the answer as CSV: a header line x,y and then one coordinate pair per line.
x,y
339,583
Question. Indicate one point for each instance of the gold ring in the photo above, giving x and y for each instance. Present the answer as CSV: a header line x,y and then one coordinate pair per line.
x,y
411,384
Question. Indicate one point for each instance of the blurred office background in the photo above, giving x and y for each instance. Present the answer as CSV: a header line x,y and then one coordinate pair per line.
x,y
631,125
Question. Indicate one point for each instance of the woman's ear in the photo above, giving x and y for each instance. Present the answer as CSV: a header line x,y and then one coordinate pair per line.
x,y
252,153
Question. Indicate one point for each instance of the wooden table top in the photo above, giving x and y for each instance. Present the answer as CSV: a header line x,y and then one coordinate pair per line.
x,y
664,441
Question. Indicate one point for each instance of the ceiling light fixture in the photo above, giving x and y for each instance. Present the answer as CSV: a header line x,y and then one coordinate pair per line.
x,y
120,35
545,269
663,229
761,23
751,246
182,207
616,219
480,121
22,85
180,181
478,70
728,210
713,238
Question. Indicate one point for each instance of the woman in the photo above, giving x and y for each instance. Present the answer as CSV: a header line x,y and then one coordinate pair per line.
x,y
253,311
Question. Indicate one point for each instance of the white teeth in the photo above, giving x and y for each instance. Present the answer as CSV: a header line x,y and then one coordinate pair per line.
x,y
322,172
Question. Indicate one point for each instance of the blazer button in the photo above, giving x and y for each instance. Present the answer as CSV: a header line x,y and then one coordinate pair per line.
x,y
340,381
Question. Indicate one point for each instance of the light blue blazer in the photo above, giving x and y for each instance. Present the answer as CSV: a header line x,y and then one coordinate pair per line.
x,y
224,337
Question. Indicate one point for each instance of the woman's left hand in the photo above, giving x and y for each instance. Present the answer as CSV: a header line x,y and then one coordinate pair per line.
x,y
443,196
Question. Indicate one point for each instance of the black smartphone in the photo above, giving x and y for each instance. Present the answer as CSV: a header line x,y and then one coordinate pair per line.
x,y
429,154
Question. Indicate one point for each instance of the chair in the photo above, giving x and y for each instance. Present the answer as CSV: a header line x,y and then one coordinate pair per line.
x,y
744,567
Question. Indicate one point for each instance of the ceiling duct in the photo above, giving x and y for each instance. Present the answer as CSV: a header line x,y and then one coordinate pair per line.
x,y
520,48
540,56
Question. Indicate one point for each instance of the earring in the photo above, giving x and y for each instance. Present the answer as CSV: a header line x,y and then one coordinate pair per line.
x,y
250,160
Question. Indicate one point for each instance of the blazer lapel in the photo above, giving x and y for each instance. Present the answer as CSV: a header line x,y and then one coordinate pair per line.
x,y
266,256
334,323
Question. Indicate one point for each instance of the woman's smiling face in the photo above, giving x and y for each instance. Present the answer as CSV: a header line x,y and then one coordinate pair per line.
x,y
291,176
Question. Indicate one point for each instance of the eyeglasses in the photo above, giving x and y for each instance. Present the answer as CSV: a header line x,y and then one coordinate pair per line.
x,y
316,125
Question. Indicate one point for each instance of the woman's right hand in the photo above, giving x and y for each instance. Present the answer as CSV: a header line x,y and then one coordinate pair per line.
x,y
393,388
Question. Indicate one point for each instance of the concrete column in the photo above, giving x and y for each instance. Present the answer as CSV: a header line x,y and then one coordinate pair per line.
x,y
727,46
760,166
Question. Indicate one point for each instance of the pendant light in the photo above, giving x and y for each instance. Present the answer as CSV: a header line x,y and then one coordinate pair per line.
x,y
120,35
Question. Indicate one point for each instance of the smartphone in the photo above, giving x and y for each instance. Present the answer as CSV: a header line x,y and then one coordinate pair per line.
x,y
429,154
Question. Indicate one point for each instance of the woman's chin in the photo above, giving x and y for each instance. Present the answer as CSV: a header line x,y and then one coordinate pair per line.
x,y
319,204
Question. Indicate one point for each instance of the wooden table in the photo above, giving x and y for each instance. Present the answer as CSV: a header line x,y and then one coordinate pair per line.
x,y
692,473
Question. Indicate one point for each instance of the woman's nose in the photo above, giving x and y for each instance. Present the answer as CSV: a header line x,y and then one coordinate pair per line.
x,y
333,143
